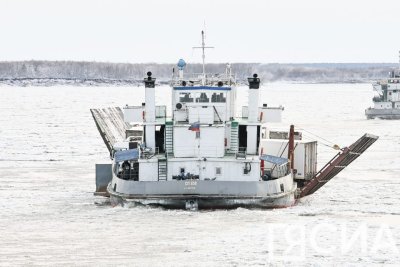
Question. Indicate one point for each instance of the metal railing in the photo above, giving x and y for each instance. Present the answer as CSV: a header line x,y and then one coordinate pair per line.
x,y
274,172
202,151
148,153
241,153
161,111
210,79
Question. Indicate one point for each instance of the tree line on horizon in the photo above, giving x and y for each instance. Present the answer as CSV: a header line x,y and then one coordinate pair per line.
x,y
271,72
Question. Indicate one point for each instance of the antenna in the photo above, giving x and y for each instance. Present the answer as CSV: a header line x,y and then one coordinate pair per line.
x,y
203,47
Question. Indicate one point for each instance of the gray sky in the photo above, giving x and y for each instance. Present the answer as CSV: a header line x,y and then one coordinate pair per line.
x,y
163,31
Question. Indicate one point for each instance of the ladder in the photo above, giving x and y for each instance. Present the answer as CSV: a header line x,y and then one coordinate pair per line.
x,y
169,138
234,137
162,169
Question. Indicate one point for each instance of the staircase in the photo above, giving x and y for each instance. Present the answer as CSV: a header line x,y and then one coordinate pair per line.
x,y
169,138
162,169
234,137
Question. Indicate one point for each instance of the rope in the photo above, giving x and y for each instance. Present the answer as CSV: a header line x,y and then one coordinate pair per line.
x,y
333,145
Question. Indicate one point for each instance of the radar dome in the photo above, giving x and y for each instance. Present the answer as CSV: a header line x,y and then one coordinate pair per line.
x,y
181,64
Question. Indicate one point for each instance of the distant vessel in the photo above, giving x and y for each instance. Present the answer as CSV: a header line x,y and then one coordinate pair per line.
x,y
387,102
205,156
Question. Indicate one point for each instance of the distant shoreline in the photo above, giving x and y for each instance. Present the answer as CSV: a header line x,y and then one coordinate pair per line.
x,y
49,73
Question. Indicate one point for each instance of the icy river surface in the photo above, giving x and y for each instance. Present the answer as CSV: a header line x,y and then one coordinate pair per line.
x,y
48,215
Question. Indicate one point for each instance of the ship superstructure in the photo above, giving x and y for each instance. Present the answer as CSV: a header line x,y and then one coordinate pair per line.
x,y
206,156
387,100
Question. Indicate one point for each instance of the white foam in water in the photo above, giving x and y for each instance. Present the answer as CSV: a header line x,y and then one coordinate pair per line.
x,y
49,216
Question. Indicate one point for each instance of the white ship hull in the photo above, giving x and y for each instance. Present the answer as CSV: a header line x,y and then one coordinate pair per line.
x,y
278,193
207,202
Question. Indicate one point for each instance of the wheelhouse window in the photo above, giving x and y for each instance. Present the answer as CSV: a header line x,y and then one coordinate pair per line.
x,y
185,97
218,170
218,98
202,98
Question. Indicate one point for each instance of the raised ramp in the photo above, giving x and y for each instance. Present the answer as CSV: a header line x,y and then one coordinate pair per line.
x,y
111,125
337,164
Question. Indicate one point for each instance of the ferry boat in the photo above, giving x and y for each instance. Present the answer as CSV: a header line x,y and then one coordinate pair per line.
x,y
387,102
205,156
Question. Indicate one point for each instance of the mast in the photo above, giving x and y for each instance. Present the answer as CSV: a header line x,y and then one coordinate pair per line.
x,y
203,56
291,147
203,47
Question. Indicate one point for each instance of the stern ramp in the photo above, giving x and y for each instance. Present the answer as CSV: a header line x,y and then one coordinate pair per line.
x,y
343,159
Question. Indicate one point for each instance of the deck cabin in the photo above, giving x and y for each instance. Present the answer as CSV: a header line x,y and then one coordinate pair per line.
x,y
203,138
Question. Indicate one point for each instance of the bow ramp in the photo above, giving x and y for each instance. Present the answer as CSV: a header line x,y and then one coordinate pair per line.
x,y
111,125
337,164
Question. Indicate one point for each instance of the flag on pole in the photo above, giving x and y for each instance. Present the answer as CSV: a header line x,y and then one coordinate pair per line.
x,y
195,127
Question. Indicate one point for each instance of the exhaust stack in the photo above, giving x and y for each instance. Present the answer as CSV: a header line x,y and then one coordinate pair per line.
x,y
251,128
254,85
150,111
